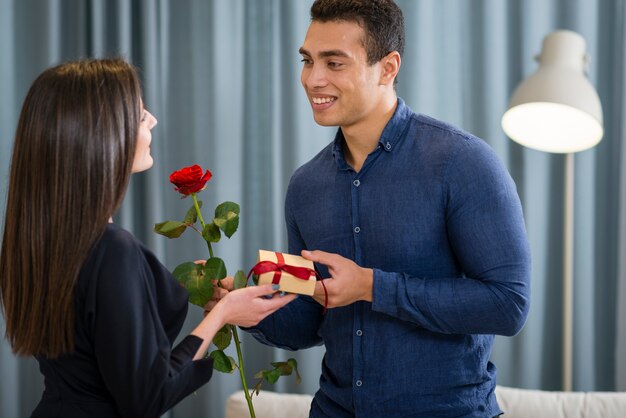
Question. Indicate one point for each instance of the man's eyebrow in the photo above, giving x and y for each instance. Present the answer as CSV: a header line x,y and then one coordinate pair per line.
x,y
325,54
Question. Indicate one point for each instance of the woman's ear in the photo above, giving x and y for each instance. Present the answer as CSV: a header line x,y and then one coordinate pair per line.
x,y
390,67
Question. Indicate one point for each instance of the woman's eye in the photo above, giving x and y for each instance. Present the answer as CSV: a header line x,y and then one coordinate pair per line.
x,y
144,116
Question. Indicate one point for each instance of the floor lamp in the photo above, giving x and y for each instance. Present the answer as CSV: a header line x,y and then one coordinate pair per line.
x,y
557,110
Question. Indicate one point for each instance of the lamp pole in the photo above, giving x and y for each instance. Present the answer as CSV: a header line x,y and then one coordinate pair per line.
x,y
568,272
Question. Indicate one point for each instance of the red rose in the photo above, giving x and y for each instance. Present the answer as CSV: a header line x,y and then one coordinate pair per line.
x,y
190,179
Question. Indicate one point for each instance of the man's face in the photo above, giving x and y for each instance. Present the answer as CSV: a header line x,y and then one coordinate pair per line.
x,y
342,88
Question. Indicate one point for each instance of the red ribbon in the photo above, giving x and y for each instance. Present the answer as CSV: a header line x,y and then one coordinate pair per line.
x,y
302,273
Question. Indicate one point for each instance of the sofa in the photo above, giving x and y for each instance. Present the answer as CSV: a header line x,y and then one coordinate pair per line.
x,y
526,403
516,403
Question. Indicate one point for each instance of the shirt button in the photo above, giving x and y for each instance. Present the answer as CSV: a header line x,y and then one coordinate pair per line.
x,y
357,230
388,146
359,383
359,332
357,183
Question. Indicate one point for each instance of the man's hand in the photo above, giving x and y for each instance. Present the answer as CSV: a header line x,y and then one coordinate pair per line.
x,y
348,283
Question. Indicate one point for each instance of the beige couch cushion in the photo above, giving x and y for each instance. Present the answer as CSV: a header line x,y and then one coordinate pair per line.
x,y
516,403
525,403
269,405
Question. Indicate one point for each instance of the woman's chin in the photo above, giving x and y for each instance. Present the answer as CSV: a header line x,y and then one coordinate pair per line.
x,y
144,165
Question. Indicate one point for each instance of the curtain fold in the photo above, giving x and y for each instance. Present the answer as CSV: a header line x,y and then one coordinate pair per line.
x,y
617,85
223,79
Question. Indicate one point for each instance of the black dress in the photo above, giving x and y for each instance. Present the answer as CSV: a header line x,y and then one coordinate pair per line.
x,y
129,311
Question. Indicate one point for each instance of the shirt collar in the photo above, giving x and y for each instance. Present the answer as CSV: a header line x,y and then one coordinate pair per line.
x,y
392,133
390,137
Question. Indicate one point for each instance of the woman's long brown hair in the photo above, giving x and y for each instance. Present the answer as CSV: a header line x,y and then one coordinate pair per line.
x,y
72,159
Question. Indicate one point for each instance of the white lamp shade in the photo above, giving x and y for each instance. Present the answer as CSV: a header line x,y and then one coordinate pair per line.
x,y
556,109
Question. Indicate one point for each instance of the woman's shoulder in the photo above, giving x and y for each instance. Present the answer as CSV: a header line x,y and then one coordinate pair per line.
x,y
117,244
114,236
117,253
117,261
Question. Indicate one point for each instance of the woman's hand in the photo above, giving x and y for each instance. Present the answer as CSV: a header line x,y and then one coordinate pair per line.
x,y
248,306
219,292
243,307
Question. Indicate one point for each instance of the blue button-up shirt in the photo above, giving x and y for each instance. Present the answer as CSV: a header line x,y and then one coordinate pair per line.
x,y
436,215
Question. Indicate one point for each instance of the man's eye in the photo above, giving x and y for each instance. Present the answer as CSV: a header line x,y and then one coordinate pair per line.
x,y
333,64
306,61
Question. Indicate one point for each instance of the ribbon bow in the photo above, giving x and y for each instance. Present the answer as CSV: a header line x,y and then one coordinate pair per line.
x,y
302,273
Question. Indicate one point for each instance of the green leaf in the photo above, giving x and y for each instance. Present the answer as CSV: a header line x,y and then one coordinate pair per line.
x,y
192,216
226,207
294,365
215,269
222,362
223,338
211,232
284,367
192,277
281,368
240,280
170,229
271,375
227,218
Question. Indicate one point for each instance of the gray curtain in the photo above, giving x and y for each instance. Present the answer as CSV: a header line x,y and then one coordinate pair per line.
x,y
222,77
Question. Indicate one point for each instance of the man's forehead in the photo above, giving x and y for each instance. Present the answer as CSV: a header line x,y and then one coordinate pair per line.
x,y
340,38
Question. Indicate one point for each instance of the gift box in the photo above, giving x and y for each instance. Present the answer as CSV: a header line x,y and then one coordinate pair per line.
x,y
293,273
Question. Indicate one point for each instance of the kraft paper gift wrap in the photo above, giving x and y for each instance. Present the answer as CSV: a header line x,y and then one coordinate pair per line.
x,y
288,282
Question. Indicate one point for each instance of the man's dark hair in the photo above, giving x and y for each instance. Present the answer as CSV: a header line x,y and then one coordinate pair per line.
x,y
381,20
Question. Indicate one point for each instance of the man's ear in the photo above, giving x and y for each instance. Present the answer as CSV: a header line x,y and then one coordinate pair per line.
x,y
390,66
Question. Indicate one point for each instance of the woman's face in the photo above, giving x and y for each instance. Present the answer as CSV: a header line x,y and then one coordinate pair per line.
x,y
143,159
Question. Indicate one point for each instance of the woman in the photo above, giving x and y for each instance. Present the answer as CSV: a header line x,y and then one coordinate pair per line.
x,y
82,295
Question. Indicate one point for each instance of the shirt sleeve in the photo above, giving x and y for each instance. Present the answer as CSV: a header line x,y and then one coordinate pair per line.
x,y
486,231
296,325
144,374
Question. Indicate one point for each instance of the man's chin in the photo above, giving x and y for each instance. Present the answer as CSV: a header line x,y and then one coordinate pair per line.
x,y
322,121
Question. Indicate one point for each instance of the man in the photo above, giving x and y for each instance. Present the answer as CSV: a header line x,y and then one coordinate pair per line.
x,y
417,227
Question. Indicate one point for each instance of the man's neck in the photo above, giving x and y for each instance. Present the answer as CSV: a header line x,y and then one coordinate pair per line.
x,y
363,138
